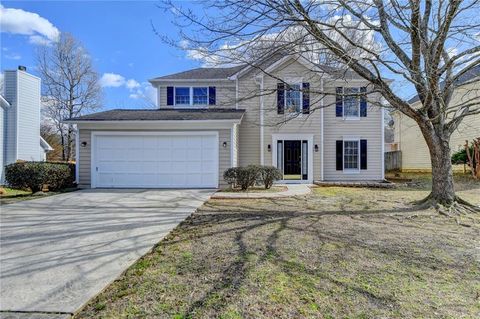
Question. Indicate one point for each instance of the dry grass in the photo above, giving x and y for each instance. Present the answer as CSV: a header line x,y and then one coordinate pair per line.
x,y
17,195
273,189
337,253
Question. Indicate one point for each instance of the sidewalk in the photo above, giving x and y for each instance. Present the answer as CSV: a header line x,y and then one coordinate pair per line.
x,y
293,190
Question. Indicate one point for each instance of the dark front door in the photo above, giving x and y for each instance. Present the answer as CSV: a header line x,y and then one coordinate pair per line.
x,y
292,159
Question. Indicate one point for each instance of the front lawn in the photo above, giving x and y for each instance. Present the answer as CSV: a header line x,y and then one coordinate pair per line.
x,y
337,253
17,195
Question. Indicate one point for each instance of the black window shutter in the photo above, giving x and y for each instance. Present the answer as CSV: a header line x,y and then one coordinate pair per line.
x,y
363,154
363,102
169,95
339,102
339,155
306,97
280,98
212,95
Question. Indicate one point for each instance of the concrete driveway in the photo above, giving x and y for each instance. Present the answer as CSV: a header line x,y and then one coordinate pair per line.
x,y
58,252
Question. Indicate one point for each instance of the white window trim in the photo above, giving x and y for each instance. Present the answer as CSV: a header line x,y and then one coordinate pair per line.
x,y
294,137
190,105
350,118
351,170
296,81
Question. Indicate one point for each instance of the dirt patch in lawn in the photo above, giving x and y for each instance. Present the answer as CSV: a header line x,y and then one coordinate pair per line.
x,y
336,253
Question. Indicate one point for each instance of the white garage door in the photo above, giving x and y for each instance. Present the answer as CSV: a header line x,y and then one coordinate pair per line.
x,y
167,160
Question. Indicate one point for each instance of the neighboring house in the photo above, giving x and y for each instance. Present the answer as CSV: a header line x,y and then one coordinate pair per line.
x,y
20,120
210,119
415,153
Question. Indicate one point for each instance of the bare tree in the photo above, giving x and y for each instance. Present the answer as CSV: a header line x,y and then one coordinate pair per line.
x,y
52,137
70,86
429,47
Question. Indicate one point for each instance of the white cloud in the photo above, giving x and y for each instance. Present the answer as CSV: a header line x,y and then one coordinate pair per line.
x,y
112,80
145,92
13,56
132,84
138,91
18,21
39,40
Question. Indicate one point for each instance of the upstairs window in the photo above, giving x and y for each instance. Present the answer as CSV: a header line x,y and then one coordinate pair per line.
x,y
351,104
293,98
182,96
200,96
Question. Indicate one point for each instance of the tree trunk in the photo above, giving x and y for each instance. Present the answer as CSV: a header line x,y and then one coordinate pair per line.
x,y
62,140
443,191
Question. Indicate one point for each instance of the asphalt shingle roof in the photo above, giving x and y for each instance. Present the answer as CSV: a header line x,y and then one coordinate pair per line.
x,y
162,115
202,73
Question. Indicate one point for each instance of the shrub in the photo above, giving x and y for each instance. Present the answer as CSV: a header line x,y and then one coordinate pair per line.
x,y
268,175
230,176
34,175
245,177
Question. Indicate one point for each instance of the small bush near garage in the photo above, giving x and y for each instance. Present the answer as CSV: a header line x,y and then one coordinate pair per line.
x,y
34,175
246,177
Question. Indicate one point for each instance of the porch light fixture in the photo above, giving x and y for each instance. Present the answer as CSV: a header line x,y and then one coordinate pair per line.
x,y
83,144
269,147
224,144
316,148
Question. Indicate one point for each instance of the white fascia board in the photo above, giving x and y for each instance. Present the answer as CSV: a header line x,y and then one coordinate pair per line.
x,y
3,102
44,144
158,125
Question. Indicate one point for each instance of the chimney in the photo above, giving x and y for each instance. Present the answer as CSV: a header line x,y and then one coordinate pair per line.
x,y
22,68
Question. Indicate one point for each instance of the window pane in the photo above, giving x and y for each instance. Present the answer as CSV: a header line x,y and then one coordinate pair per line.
x,y
182,95
350,154
280,155
351,103
292,99
200,96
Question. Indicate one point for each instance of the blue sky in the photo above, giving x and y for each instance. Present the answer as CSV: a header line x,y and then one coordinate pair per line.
x,y
118,36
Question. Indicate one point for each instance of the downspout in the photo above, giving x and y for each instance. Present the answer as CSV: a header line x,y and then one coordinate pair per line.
x,y
322,131
236,92
77,155
262,155
383,143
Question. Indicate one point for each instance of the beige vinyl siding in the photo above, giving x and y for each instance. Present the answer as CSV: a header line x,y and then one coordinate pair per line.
x,y
225,92
336,128
84,158
249,146
84,169
275,123
415,153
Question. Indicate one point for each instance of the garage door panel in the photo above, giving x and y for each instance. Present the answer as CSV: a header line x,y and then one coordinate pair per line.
x,y
179,153
156,160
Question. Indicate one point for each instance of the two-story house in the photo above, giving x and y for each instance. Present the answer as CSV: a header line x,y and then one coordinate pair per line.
x,y
210,119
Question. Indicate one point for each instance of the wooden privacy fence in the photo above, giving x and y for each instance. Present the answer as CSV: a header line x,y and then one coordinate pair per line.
x,y
393,160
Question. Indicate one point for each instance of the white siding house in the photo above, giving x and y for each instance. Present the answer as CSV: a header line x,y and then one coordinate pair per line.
x,y
20,120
